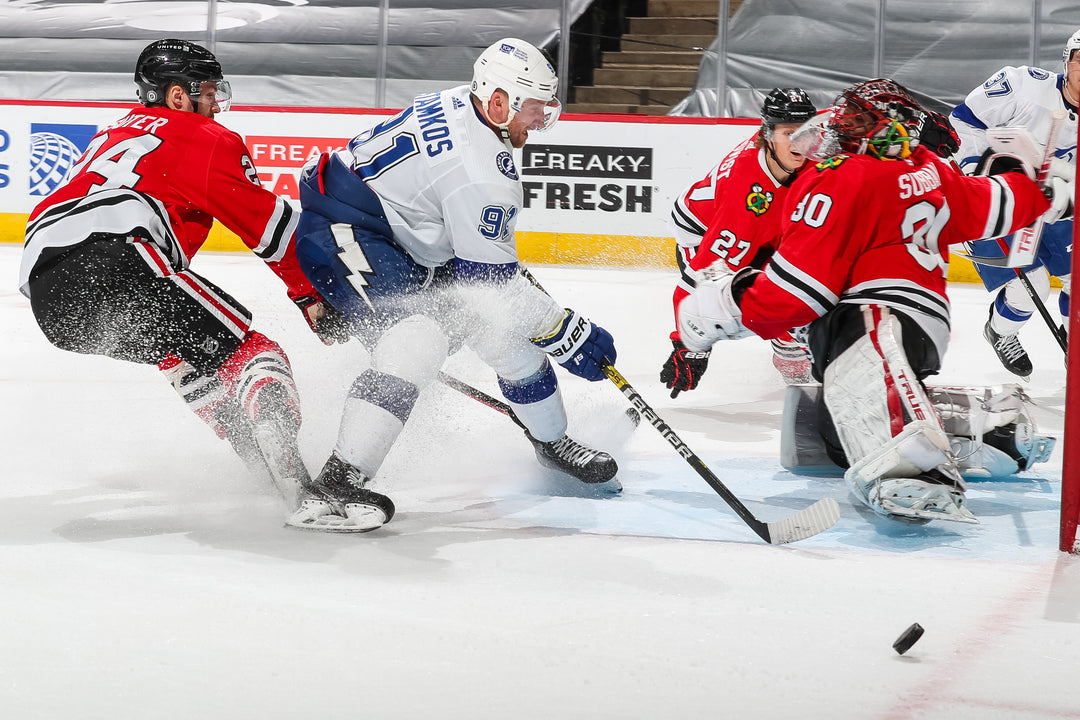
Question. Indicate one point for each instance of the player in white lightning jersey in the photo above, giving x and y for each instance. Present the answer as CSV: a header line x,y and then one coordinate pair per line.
x,y
410,234
1025,97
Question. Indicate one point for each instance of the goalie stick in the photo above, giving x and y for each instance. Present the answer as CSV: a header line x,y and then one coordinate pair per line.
x,y
808,522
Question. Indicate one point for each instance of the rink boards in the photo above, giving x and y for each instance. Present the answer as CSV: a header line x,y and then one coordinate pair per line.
x,y
598,189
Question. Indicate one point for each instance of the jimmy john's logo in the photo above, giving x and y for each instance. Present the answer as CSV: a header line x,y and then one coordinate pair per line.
x,y
758,201
589,177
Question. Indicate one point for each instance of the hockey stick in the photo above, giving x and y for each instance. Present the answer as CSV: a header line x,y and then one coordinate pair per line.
x,y
1026,240
480,396
810,521
498,405
1039,304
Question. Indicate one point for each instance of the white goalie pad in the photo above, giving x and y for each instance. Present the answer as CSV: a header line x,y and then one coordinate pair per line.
x,y
989,428
895,480
871,391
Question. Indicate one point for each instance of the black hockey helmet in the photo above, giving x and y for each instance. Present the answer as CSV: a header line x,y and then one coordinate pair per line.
x,y
786,106
165,62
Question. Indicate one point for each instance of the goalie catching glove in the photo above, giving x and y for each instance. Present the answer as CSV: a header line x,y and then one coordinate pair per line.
x,y
710,313
684,368
324,319
579,346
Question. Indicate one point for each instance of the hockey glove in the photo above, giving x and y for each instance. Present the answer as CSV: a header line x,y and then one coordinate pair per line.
x,y
324,319
579,346
683,370
938,135
1060,193
710,313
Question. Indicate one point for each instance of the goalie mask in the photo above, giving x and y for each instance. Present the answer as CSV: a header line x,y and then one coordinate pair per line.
x,y
186,64
878,117
522,72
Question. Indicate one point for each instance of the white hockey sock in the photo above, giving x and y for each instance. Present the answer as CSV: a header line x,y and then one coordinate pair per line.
x,y
405,360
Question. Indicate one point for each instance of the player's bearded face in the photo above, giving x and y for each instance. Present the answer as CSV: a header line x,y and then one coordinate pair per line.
x,y
533,115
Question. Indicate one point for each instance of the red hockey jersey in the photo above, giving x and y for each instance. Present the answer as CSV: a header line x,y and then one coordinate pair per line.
x,y
165,175
861,230
732,214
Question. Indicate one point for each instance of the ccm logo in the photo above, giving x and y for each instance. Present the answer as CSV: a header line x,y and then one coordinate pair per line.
x,y
571,340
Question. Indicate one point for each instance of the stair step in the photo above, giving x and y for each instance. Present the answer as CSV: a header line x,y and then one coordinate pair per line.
x,y
633,41
687,8
624,95
674,26
652,58
645,77
617,108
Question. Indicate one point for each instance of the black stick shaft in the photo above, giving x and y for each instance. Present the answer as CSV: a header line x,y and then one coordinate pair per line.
x,y
684,450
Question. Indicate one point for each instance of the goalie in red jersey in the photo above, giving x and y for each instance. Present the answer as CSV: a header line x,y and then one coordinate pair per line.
x,y
863,259
730,219
106,259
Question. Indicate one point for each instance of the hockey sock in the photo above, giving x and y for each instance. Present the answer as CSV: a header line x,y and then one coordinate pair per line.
x,y
204,395
258,363
1013,306
537,403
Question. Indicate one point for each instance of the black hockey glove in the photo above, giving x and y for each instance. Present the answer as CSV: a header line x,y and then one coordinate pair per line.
x,y
938,135
684,368
324,319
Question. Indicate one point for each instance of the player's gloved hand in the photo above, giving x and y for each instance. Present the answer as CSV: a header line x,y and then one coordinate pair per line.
x,y
710,313
684,368
1060,193
325,320
938,135
579,346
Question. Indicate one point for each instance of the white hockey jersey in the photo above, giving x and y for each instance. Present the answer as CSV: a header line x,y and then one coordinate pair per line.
x,y
448,184
1013,97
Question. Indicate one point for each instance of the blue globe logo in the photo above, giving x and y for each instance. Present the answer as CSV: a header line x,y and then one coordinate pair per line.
x,y
51,158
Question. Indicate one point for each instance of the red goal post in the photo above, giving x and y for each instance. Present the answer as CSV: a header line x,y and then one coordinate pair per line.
x,y
1070,463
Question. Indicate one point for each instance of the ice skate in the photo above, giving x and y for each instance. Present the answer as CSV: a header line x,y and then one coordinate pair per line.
x,y
338,501
1009,350
930,496
579,461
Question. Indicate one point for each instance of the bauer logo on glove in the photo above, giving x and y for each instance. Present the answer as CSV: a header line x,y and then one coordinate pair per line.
x,y
579,346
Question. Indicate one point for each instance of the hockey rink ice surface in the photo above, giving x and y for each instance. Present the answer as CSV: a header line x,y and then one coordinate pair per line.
x,y
146,574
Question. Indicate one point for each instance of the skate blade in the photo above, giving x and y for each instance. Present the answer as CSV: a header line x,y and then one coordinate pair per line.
x,y
917,516
357,519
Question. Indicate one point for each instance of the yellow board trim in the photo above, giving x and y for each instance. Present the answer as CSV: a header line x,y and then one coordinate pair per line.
x,y
540,248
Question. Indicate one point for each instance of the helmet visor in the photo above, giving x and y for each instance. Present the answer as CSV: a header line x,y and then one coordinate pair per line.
x,y
212,92
537,115
816,139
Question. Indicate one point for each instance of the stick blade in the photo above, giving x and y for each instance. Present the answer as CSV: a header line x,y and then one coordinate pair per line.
x,y
808,522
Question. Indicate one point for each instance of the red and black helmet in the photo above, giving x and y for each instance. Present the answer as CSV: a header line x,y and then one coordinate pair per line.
x,y
878,117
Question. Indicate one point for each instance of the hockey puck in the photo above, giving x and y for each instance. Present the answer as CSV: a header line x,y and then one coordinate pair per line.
x,y
908,638
634,416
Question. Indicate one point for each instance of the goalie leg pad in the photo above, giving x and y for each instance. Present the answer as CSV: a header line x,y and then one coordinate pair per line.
x,y
911,477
